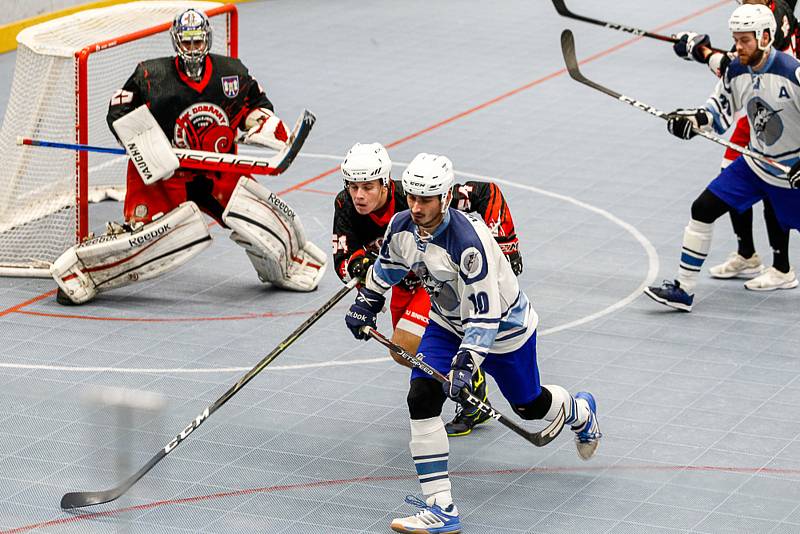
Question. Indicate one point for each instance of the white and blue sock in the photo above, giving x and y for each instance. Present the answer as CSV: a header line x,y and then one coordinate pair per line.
x,y
696,244
431,452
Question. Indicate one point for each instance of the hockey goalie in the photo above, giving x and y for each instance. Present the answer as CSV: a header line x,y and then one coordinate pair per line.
x,y
195,100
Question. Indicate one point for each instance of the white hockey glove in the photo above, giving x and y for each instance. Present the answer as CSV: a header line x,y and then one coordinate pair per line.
x,y
265,129
147,145
683,123
718,63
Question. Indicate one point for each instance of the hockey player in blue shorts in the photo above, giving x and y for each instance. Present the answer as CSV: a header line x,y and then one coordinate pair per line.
x,y
479,318
763,83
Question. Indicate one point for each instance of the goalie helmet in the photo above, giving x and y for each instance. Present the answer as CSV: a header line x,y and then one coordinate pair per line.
x,y
754,18
191,39
367,162
429,175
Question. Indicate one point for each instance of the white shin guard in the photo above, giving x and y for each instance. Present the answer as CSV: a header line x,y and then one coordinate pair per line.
x,y
272,235
124,257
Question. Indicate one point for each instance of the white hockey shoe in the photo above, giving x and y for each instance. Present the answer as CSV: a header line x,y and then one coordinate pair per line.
x,y
587,436
738,266
772,279
431,519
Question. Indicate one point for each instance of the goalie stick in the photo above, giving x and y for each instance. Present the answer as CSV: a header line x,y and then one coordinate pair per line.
x,y
91,498
540,439
568,50
562,9
212,161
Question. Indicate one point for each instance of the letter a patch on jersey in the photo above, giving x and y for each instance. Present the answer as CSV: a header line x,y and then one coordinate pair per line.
x,y
784,93
230,86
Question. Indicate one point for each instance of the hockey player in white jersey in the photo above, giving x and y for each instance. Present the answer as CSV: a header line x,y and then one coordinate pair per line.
x,y
478,318
763,83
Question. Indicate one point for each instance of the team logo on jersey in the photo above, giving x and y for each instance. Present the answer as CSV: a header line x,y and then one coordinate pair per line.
x,y
765,121
230,86
471,262
204,126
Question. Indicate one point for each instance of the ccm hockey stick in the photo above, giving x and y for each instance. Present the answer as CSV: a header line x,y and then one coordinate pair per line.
x,y
212,161
568,50
90,498
540,439
562,9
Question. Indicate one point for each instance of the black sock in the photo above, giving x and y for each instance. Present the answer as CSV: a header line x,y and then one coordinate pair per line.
x,y
743,228
778,239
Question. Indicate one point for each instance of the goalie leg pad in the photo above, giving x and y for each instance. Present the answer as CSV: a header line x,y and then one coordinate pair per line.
x,y
273,237
120,258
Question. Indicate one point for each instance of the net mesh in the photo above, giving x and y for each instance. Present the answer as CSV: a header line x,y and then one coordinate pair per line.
x,y
39,216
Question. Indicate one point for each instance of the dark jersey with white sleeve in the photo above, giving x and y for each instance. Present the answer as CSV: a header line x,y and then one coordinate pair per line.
x,y
201,115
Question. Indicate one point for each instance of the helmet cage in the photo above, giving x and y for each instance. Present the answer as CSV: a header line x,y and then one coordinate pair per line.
x,y
191,38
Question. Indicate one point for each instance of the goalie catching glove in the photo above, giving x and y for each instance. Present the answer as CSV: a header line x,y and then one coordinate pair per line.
x,y
265,129
684,123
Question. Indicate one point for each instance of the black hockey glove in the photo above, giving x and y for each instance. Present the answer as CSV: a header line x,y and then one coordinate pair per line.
x,y
794,176
461,371
682,123
359,263
510,249
410,282
364,312
689,46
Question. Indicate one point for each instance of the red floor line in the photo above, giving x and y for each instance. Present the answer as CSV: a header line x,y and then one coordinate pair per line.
x,y
444,122
28,302
167,319
373,479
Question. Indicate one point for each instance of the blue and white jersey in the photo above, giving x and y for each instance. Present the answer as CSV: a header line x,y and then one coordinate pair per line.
x,y
474,293
771,100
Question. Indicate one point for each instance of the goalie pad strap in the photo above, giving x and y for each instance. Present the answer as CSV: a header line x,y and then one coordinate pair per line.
x,y
146,144
123,257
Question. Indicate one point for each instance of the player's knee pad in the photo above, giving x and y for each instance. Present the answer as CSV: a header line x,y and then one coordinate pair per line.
x,y
124,255
708,207
425,398
537,408
273,237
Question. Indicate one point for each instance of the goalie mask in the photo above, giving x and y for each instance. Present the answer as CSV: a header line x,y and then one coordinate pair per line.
x,y
191,39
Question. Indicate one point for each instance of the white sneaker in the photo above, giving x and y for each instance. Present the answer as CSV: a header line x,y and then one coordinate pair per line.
x,y
737,266
431,519
772,279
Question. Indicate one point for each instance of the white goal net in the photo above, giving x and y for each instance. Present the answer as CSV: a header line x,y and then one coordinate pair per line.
x,y
66,71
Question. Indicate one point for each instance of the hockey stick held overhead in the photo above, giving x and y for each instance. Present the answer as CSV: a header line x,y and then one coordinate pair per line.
x,y
212,161
564,11
91,498
568,51
540,439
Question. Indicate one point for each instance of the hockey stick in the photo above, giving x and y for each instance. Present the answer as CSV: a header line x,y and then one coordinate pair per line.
x,y
568,50
212,161
562,9
540,439
90,498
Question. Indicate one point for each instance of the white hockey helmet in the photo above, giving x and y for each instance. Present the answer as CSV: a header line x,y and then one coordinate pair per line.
x,y
754,18
367,162
189,28
429,175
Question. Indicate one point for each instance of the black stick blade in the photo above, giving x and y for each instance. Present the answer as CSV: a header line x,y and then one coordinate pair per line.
x,y
79,499
561,7
570,59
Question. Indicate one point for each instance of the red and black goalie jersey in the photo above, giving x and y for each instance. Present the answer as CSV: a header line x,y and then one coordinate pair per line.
x,y
201,115
353,232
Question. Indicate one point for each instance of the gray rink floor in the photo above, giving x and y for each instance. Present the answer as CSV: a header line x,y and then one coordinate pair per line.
x,y
698,410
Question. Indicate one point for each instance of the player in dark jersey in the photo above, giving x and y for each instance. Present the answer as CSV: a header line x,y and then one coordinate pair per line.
x,y
745,262
194,100
362,213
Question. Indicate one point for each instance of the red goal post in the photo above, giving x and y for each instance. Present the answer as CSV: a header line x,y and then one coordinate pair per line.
x,y
65,73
